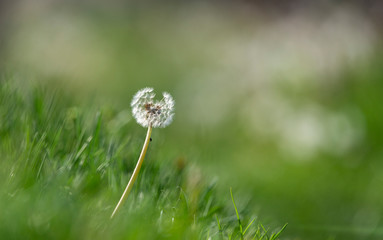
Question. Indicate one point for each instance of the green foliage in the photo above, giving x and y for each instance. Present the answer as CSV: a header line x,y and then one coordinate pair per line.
x,y
238,232
63,169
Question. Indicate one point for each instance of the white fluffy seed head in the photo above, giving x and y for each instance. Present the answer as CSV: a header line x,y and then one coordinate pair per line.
x,y
147,112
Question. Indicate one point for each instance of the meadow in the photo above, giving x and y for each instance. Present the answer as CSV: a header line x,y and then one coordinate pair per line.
x,y
278,120
63,169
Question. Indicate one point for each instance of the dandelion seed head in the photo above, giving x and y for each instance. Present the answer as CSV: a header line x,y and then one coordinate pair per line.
x,y
147,111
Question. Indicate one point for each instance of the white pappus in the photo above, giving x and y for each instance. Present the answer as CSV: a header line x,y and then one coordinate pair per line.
x,y
147,112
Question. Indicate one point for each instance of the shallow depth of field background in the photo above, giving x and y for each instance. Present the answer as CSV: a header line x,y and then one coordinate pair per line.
x,y
281,101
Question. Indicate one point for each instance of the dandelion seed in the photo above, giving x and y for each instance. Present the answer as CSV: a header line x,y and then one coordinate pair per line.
x,y
147,112
151,114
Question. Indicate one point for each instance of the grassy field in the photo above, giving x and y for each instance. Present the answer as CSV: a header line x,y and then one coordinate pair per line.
x,y
284,108
63,169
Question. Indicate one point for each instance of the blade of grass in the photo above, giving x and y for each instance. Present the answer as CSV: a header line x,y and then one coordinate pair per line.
x,y
219,227
274,236
257,232
236,211
248,226
264,232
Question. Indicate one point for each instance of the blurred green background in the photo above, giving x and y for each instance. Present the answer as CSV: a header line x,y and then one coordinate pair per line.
x,y
281,101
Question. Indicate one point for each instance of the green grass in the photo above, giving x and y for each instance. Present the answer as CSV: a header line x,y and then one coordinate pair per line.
x,y
64,166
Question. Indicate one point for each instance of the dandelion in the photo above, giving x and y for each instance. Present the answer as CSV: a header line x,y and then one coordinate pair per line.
x,y
151,114
148,112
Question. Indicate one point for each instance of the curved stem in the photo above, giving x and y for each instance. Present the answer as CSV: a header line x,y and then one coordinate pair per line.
x,y
135,172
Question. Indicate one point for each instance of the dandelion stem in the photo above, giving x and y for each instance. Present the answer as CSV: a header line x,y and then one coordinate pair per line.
x,y
135,172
